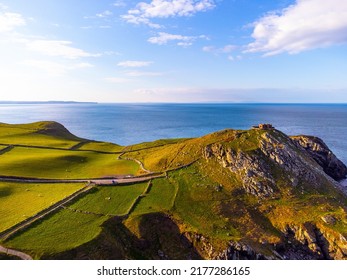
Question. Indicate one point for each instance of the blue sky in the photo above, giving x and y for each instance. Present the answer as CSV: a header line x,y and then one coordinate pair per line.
x,y
174,50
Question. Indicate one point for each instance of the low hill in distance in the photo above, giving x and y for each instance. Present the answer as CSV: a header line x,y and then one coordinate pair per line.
x,y
232,194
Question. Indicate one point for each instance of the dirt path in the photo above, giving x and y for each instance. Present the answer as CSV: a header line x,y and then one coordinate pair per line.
x,y
136,160
16,253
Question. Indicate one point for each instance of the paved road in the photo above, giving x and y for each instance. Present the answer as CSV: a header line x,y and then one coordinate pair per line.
x,y
97,181
125,181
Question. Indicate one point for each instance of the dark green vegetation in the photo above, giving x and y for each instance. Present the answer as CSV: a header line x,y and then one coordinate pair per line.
x,y
231,194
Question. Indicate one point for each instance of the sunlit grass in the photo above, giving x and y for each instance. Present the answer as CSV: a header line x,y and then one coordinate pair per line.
x,y
18,201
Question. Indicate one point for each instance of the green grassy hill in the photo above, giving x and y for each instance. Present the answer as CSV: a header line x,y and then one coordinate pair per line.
x,y
231,194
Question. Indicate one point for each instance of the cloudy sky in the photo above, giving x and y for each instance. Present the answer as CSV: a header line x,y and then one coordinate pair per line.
x,y
174,50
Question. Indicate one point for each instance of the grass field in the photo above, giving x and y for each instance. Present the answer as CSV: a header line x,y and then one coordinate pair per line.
x,y
59,232
115,200
35,135
68,229
19,201
198,204
159,199
102,147
50,163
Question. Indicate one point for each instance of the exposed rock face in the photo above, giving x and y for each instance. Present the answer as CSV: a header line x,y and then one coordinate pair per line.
x,y
302,158
320,152
283,153
252,170
234,251
323,243
239,251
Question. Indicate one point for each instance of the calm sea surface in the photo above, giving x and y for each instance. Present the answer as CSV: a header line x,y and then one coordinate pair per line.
x,y
134,123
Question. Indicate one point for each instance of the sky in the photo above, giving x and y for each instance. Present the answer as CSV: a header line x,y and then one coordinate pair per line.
x,y
174,50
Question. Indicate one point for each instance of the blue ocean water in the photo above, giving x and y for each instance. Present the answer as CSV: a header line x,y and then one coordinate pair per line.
x,y
127,124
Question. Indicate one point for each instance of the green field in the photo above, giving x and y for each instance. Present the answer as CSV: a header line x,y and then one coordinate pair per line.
x,y
198,204
62,164
59,232
70,228
115,200
159,199
45,134
102,147
19,201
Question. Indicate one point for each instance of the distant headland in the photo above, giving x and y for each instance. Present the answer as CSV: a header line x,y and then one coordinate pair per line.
x,y
46,102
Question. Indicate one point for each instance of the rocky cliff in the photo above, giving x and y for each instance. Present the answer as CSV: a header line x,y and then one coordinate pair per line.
x,y
320,152
302,166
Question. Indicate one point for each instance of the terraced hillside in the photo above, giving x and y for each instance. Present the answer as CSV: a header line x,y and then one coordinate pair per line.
x,y
255,194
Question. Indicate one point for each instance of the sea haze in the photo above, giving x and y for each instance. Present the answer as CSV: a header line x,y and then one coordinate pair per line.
x,y
127,124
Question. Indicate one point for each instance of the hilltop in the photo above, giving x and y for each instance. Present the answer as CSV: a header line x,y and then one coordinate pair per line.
x,y
232,194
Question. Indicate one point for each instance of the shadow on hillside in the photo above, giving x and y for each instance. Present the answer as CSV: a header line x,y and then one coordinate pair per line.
x,y
159,238
5,191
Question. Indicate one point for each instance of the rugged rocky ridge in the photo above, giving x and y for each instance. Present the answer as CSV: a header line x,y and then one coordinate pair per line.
x,y
320,152
256,169
303,164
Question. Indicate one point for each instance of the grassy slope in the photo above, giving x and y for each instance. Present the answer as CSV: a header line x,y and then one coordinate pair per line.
x,y
20,201
110,200
229,213
47,163
76,228
159,199
61,231
203,198
102,147
47,134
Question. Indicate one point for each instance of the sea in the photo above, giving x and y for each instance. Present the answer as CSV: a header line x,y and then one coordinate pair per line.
x,y
127,124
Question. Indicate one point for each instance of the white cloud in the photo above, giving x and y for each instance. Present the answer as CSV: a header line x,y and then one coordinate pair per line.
x,y
104,14
225,49
140,20
134,63
58,48
9,21
54,68
119,3
308,24
143,11
142,74
163,38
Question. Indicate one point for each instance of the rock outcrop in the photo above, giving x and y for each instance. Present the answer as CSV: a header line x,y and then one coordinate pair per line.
x,y
323,243
253,171
320,152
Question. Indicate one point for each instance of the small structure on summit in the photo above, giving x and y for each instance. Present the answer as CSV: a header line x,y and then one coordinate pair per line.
x,y
263,126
